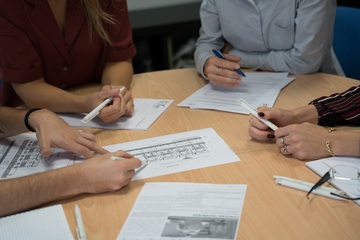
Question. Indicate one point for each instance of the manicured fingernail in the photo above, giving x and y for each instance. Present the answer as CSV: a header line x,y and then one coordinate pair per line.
x,y
261,114
270,136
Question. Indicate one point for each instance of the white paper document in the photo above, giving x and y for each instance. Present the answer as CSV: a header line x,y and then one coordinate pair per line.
x,y
146,112
185,210
21,155
178,152
257,89
345,167
40,224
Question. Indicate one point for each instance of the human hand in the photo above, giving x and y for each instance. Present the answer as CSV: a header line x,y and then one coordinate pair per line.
x,y
304,141
127,100
103,175
259,131
122,103
221,72
54,132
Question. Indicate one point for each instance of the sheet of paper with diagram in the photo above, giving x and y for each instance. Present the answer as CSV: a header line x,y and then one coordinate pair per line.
x,y
178,152
257,89
147,111
174,210
21,155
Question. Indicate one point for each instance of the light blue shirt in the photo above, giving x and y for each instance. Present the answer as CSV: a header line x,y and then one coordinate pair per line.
x,y
273,35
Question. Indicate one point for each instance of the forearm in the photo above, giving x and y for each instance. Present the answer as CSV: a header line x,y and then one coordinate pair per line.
x,y
345,143
306,113
24,193
42,95
11,121
118,74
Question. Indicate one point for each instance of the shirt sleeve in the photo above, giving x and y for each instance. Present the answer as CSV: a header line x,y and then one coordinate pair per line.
x,y
210,35
339,108
120,34
314,22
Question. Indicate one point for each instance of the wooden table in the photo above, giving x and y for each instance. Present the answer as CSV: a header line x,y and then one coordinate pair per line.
x,y
270,211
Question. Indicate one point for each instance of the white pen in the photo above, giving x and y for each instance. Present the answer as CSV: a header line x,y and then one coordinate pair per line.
x,y
253,111
306,186
80,229
143,163
97,110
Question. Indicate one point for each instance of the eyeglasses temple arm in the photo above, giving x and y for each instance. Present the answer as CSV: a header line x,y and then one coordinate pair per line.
x,y
322,180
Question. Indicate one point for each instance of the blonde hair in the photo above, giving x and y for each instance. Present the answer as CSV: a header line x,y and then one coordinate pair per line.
x,y
97,17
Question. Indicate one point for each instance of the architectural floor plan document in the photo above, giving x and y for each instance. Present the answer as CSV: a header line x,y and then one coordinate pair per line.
x,y
257,89
40,224
185,210
347,167
21,155
178,152
146,112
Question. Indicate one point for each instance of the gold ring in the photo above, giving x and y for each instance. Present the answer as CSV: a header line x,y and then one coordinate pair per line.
x,y
217,70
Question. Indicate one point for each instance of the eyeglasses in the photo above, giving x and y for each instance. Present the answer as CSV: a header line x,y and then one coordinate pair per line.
x,y
341,173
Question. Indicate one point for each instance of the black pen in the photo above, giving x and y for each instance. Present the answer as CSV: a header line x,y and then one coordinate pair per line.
x,y
220,55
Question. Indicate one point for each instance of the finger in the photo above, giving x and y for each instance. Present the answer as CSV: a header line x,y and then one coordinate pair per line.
x,y
281,141
45,145
258,124
260,134
92,145
286,150
232,58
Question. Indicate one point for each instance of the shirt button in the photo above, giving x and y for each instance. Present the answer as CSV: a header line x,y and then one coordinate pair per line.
x,y
66,68
62,85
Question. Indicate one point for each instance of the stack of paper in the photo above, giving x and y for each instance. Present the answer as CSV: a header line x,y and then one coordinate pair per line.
x,y
257,89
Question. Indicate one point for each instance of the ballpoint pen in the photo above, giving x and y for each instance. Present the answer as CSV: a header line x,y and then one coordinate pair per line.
x,y
220,55
253,111
306,186
80,225
97,110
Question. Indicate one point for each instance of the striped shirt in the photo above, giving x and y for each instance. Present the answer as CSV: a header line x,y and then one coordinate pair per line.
x,y
339,108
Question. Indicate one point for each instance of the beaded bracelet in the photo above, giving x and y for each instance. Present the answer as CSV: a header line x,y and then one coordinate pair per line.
x,y
327,144
26,119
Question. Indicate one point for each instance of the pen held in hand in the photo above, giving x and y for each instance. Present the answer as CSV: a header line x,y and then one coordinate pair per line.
x,y
253,112
220,55
97,110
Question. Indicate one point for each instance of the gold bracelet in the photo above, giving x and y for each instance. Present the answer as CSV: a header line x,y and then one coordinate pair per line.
x,y
328,149
331,130
327,144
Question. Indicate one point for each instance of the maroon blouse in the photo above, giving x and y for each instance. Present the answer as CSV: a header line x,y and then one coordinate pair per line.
x,y
32,45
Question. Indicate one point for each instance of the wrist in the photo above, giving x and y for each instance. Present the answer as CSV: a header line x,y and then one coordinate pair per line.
x,y
345,143
29,121
305,114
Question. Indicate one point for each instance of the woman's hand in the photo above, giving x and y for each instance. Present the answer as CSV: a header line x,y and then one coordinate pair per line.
x,y
221,72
